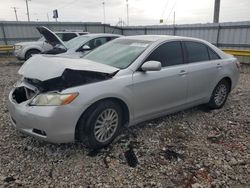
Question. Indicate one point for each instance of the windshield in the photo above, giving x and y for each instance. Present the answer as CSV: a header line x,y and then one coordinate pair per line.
x,y
76,42
119,53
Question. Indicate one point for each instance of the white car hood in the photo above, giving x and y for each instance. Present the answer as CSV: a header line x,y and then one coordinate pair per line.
x,y
44,67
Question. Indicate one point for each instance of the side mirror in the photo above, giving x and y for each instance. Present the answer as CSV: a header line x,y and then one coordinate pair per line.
x,y
151,66
85,48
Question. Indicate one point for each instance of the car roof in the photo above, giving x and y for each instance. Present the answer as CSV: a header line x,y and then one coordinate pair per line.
x,y
102,35
155,38
70,32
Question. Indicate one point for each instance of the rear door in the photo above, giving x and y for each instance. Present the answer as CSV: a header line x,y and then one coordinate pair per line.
x,y
203,69
157,91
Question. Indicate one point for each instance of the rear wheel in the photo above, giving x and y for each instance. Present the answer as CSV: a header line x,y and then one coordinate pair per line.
x,y
101,126
30,53
219,95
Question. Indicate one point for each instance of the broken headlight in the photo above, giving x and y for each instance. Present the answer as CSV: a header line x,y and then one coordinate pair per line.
x,y
53,99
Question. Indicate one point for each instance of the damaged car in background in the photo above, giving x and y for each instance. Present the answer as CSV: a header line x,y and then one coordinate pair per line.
x,y
24,50
76,47
119,84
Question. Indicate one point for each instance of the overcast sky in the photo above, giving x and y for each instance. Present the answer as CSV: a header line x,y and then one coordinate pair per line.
x,y
141,12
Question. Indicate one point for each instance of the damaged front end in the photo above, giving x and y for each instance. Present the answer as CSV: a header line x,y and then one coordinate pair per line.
x,y
69,78
22,93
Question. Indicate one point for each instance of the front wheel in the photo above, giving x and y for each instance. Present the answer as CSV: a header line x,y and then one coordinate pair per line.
x,y
102,125
219,95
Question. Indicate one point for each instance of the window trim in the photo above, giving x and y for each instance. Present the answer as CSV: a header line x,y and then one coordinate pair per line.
x,y
164,42
208,48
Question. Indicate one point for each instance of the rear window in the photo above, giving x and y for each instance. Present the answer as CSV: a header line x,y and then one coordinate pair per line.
x,y
196,52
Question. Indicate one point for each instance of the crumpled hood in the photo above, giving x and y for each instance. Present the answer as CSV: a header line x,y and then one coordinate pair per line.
x,y
44,67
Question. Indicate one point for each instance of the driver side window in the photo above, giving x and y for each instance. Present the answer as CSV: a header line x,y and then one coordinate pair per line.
x,y
168,54
94,43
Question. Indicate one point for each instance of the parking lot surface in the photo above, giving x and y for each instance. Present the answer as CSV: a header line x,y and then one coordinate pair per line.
x,y
192,148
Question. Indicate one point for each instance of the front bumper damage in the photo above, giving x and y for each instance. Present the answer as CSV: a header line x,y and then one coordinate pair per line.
x,y
47,75
51,123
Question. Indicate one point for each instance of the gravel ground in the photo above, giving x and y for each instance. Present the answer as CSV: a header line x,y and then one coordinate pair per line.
x,y
193,148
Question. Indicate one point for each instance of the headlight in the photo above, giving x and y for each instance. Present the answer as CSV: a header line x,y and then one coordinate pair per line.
x,y
53,99
17,47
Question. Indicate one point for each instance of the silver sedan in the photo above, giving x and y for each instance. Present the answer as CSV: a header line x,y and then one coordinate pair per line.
x,y
124,82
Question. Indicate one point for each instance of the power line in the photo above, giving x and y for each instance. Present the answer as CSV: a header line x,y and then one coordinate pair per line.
x,y
15,11
171,10
165,8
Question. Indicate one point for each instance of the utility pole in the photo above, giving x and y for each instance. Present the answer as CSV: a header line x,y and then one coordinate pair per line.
x,y
174,19
48,16
216,11
14,8
27,6
104,13
127,13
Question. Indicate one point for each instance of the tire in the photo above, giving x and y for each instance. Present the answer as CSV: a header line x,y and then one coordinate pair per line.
x,y
30,53
92,127
219,95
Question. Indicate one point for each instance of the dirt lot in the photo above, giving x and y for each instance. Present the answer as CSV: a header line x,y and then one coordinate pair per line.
x,y
192,148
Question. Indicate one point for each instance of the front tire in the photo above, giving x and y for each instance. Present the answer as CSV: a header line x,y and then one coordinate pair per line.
x,y
102,125
219,95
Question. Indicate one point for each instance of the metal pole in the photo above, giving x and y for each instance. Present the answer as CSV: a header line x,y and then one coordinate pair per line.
x,y
174,19
28,13
127,13
216,11
15,13
4,35
48,16
104,14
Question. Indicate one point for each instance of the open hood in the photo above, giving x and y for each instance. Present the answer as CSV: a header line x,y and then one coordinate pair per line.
x,y
45,67
50,36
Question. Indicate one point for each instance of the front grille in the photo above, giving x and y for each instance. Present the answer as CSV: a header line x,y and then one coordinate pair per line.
x,y
22,94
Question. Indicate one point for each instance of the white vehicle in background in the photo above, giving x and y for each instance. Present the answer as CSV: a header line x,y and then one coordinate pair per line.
x,y
81,45
24,50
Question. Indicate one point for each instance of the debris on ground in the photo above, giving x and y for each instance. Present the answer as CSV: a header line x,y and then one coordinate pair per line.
x,y
171,154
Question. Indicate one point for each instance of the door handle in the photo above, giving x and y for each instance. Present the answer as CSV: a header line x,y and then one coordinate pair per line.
x,y
218,65
182,73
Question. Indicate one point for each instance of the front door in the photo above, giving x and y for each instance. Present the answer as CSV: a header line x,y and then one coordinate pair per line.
x,y
158,91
